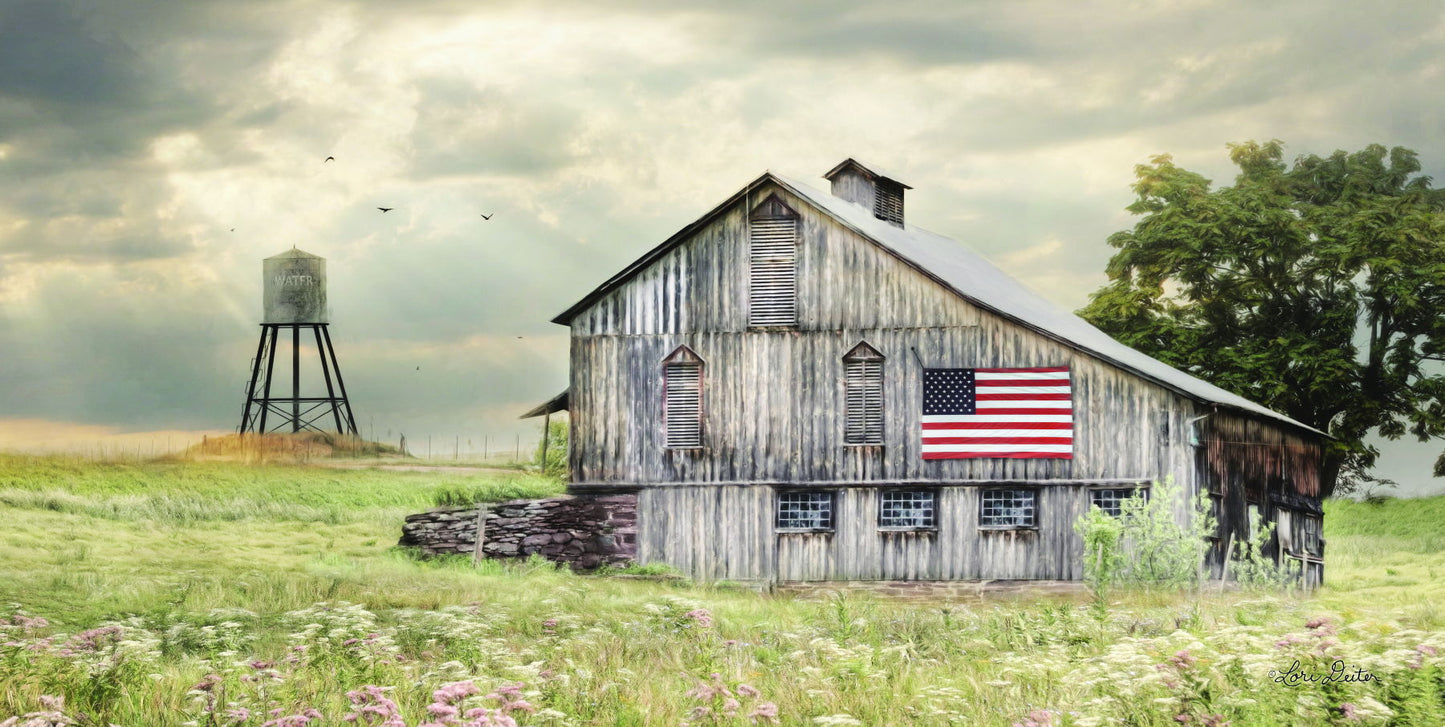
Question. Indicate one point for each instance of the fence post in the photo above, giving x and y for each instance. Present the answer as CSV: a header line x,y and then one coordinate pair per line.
x,y
481,534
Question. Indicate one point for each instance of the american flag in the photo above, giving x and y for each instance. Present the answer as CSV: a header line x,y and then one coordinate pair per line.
x,y
1016,413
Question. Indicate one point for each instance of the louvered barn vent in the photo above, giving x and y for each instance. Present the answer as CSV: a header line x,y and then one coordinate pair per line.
x,y
888,202
863,393
773,275
870,188
682,407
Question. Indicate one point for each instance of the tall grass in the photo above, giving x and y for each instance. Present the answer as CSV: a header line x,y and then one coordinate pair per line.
x,y
286,593
190,492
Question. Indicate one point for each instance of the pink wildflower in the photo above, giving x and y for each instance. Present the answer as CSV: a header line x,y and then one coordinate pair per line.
x,y
765,712
731,706
1037,718
1347,710
94,640
748,690
508,692
207,683
290,720
1316,622
700,616
238,715
373,707
1182,660
26,623
1426,649
438,709
455,692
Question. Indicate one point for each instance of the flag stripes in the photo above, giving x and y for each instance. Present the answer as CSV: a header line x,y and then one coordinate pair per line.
x,y
1005,413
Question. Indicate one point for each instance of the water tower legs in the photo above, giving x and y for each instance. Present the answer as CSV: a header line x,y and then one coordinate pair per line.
x,y
265,413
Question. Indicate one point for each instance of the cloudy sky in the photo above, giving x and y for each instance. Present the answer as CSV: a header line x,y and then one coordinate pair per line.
x,y
153,152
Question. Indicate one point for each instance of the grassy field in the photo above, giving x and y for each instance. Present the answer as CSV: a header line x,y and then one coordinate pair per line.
x,y
218,594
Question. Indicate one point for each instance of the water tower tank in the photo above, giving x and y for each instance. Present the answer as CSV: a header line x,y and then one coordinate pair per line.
x,y
295,287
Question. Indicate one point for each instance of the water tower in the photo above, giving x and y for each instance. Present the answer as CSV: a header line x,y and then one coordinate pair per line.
x,y
295,299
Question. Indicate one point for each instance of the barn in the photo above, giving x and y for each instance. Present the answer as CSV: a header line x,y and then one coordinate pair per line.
x,y
803,386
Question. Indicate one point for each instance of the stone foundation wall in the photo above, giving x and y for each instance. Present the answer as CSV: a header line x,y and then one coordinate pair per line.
x,y
935,591
584,532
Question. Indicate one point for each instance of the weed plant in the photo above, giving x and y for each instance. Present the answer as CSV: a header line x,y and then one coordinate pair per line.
x,y
131,617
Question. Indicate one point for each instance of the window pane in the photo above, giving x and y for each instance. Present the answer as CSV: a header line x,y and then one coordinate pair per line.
x,y
1111,499
805,511
906,509
1007,508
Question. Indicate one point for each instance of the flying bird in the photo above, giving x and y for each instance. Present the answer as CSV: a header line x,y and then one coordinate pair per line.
x,y
385,210
329,159
488,217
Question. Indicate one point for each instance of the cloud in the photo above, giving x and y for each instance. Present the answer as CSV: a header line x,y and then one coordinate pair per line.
x,y
166,148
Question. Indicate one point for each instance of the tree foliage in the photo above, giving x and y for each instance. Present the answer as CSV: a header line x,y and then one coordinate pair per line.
x,y
1315,289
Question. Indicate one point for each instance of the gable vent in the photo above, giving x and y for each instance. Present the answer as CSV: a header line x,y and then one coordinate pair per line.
x,y
869,187
888,202
863,396
682,400
773,272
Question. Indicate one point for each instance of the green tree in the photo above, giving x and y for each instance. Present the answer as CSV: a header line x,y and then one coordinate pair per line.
x,y
555,447
1315,289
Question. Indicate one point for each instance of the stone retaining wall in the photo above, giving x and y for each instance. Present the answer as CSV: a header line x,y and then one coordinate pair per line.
x,y
934,591
583,532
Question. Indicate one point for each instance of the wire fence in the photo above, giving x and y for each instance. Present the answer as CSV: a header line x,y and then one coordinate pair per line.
x,y
511,450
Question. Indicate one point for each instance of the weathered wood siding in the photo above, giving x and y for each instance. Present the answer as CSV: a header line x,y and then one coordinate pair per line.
x,y
726,532
773,400
1246,461
773,404
852,185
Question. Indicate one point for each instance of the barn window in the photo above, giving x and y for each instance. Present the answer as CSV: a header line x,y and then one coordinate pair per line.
x,y
863,395
888,201
812,511
1111,499
1310,532
772,268
1008,508
1284,530
682,399
906,509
